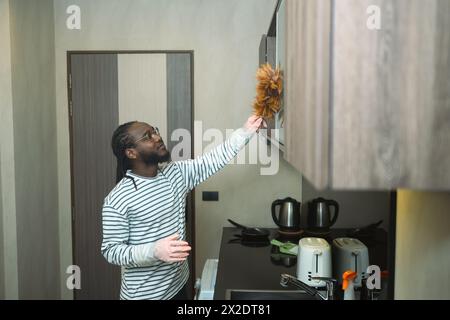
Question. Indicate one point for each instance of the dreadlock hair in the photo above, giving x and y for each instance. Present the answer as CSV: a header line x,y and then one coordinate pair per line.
x,y
120,141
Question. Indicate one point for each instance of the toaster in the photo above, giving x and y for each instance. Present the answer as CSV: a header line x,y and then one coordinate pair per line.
x,y
350,254
314,260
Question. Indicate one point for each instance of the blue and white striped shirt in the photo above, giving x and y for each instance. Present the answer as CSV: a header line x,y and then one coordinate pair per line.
x,y
133,219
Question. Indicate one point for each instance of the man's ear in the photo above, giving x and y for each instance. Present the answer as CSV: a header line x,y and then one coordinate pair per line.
x,y
131,153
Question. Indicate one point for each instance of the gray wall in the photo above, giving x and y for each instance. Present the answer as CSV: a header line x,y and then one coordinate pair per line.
x,y
8,252
356,208
225,38
34,117
3,38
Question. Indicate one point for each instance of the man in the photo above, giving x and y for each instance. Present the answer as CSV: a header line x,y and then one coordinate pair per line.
x,y
144,215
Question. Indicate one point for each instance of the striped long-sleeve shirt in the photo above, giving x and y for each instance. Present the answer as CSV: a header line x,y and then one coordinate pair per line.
x,y
133,220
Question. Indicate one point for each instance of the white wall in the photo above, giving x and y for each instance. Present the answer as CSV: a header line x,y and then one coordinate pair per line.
x,y
225,36
422,265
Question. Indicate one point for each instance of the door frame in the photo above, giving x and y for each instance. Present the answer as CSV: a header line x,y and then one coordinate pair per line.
x,y
190,205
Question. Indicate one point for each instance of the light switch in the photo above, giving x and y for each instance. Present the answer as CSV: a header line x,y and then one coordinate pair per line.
x,y
210,195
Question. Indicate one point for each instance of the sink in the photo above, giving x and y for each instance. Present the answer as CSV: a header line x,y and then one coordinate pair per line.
x,y
245,294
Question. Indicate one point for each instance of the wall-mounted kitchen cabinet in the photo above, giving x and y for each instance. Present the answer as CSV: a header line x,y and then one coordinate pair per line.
x,y
272,51
367,93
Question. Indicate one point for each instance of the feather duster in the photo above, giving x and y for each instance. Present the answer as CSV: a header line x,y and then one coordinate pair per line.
x,y
268,91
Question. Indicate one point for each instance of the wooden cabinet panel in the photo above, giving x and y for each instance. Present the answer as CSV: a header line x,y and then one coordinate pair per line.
x,y
307,87
391,95
369,109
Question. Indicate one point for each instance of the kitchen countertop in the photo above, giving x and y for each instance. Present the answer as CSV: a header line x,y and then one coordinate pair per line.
x,y
259,268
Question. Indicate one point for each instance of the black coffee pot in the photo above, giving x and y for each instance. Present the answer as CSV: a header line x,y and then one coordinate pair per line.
x,y
319,215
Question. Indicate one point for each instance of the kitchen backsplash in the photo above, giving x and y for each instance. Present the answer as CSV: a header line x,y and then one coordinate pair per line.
x,y
356,208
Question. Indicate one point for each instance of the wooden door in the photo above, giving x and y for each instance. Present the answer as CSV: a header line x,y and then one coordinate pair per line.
x,y
106,89
94,93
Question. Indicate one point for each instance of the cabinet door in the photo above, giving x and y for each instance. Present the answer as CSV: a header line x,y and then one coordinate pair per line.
x,y
391,95
306,96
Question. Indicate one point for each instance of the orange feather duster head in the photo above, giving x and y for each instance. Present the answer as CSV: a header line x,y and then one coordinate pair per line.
x,y
268,91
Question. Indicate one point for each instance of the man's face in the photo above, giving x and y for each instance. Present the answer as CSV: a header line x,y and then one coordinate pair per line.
x,y
149,146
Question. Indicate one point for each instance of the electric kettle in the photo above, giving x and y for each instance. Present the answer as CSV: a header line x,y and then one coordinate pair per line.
x,y
319,214
288,216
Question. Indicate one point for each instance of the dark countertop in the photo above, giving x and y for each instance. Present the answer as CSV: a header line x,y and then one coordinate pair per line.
x,y
259,268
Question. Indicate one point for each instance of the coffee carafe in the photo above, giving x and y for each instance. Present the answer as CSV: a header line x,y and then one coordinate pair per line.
x,y
319,214
288,216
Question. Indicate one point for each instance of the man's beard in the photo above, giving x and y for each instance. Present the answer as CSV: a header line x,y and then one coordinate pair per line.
x,y
153,158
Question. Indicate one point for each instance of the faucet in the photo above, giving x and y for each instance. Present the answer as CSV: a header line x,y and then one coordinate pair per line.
x,y
287,279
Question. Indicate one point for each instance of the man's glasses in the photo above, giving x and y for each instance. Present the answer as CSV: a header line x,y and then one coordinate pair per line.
x,y
149,135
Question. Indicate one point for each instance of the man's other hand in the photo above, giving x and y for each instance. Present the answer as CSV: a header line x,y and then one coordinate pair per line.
x,y
171,249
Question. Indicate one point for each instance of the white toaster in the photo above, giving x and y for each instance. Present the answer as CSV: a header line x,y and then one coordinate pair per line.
x,y
350,254
314,260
